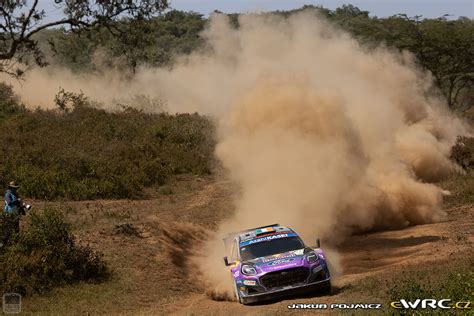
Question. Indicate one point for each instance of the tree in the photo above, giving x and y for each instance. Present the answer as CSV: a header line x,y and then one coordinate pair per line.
x,y
151,41
449,54
444,47
20,20
349,12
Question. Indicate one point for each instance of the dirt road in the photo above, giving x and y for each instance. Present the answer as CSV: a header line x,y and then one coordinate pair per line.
x,y
151,276
371,255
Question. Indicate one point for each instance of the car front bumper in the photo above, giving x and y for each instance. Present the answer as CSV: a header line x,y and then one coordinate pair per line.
x,y
316,281
293,290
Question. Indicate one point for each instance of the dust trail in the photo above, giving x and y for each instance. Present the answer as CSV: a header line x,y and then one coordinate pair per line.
x,y
322,135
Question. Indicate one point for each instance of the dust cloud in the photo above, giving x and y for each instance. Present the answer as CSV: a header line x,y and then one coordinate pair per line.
x,y
323,135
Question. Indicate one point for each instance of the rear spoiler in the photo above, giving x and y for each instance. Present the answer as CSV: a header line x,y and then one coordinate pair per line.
x,y
230,237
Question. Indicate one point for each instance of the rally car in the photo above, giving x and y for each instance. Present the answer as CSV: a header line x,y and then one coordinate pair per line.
x,y
270,261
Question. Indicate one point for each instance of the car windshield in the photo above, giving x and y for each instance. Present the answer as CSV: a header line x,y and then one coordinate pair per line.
x,y
272,247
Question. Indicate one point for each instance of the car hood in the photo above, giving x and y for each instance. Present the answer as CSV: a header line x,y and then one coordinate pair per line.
x,y
294,258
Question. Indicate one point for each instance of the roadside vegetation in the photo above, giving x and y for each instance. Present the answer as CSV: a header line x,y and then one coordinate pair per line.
x,y
457,285
461,184
82,152
451,280
45,254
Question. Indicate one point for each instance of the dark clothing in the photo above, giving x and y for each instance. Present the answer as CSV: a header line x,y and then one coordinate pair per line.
x,y
10,219
12,201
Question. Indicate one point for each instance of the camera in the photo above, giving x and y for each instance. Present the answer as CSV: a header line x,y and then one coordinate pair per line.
x,y
26,206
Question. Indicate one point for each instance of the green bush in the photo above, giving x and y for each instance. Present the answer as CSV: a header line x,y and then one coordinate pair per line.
x,y
461,184
463,152
152,42
83,152
165,190
44,254
9,102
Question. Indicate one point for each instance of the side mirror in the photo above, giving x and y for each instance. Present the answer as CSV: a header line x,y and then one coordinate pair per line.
x,y
318,243
226,262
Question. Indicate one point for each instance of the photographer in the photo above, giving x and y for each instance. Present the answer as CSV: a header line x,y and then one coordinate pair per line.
x,y
12,201
12,211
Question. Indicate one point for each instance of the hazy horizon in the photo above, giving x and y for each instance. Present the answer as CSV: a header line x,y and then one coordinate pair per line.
x,y
380,8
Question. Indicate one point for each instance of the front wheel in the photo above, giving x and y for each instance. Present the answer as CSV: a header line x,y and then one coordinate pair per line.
x,y
237,293
326,288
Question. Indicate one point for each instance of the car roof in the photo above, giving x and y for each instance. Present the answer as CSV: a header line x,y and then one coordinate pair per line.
x,y
262,232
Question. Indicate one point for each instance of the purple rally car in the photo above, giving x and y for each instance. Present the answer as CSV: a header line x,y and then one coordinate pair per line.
x,y
270,261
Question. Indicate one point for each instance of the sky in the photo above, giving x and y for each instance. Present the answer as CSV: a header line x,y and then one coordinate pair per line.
x,y
380,8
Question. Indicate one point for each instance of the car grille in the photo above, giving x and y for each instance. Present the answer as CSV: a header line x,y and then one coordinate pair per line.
x,y
284,277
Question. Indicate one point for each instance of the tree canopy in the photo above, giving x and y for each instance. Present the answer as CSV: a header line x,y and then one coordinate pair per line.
x,y
20,20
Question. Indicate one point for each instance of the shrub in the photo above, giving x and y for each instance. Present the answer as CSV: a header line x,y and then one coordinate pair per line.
x,y
461,185
44,254
9,102
126,229
83,152
463,152
165,190
66,100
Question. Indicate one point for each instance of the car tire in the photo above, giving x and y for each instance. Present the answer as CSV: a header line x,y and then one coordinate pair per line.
x,y
237,294
326,287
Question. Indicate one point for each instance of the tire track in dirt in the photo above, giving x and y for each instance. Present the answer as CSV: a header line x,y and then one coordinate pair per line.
x,y
364,256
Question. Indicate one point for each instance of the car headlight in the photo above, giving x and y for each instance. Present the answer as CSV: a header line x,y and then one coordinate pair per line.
x,y
248,270
312,257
